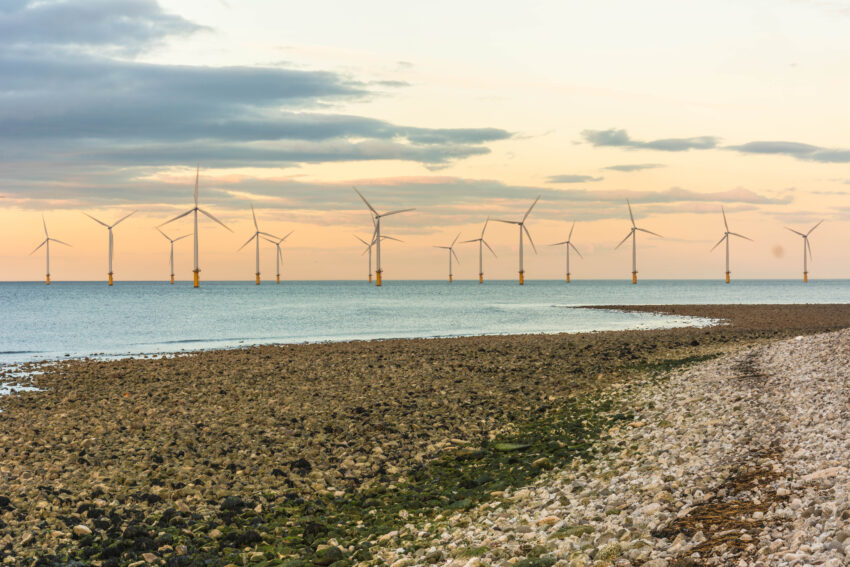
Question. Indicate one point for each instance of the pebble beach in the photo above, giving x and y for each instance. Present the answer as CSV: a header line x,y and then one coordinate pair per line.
x,y
697,446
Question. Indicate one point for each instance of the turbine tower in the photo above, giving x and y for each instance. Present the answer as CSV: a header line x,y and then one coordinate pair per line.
x,y
481,243
633,235
196,210
46,242
568,243
369,246
279,255
171,256
111,246
376,219
522,227
451,249
726,236
256,236
807,250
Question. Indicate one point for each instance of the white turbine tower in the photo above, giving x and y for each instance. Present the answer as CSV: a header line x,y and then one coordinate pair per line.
x,y
46,242
522,227
196,210
633,235
111,246
369,246
171,255
481,244
279,254
256,236
451,249
726,236
377,235
807,250
568,243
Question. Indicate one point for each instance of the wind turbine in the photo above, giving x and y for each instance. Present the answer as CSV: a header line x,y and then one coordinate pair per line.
x,y
481,243
111,247
522,228
46,242
196,210
279,255
451,250
256,236
726,236
568,243
171,256
633,235
377,235
368,249
807,250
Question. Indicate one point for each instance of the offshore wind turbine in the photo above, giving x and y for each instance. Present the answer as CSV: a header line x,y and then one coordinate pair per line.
x,y
256,236
807,250
46,242
451,249
481,243
633,235
171,255
522,227
279,255
726,236
369,246
111,246
196,210
568,243
376,218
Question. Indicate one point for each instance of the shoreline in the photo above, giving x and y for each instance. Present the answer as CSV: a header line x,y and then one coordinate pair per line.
x,y
285,450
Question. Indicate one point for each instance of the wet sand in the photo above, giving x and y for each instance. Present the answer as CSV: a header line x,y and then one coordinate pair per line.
x,y
195,459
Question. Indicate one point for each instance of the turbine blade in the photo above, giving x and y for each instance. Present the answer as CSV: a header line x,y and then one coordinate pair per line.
x,y
455,240
560,243
626,238
37,247
443,247
525,228
576,250
44,222
280,253
165,235
726,224
649,232
741,236
122,219
96,220
361,240
719,242
180,216
528,212
181,237
285,237
631,216
60,242
397,212
215,219
570,237
795,232
269,235
391,238
809,246
253,214
455,255
813,228
488,247
248,242
507,221
468,241
371,208
485,227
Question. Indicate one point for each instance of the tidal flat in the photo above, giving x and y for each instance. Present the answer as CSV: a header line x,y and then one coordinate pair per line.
x,y
323,454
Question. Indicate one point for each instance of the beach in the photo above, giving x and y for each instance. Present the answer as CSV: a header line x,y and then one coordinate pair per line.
x,y
366,452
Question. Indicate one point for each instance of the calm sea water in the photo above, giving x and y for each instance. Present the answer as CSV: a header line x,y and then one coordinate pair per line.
x,y
80,319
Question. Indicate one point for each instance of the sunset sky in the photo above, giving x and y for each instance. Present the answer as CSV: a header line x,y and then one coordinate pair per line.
x,y
459,109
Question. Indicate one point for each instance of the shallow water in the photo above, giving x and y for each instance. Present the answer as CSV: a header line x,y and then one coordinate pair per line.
x,y
84,319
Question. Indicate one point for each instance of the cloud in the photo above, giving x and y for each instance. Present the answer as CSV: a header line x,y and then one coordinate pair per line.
x,y
567,178
806,152
633,167
620,138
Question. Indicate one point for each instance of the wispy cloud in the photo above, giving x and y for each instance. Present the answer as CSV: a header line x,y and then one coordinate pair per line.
x,y
620,138
633,167
567,178
806,152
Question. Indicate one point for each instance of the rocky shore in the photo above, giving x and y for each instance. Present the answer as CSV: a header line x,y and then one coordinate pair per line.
x,y
379,452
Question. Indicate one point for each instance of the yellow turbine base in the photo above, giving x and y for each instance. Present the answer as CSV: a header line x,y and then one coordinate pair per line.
x,y
727,277
370,278
568,278
110,278
480,278
634,277
172,279
277,278
258,278
378,278
47,280
197,277
805,277
521,278
450,278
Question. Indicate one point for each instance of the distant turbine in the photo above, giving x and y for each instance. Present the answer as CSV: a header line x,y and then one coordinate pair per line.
x,y
377,235
726,236
171,256
633,235
196,210
522,228
369,246
481,243
568,243
451,249
279,255
111,247
807,250
256,236
46,242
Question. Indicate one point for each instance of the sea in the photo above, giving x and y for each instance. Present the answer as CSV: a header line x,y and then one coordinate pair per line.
x,y
90,319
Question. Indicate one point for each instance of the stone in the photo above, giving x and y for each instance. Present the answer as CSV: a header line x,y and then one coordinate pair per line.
x,y
81,530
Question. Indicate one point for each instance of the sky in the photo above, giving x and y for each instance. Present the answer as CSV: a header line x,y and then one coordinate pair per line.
x,y
461,110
